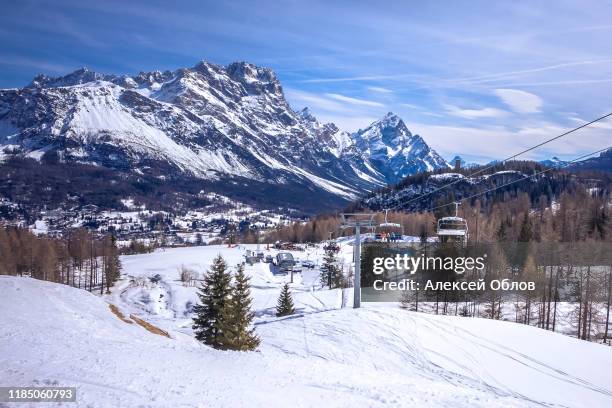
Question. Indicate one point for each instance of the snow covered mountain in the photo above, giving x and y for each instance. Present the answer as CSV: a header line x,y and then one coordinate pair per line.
x,y
554,162
230,126
394,151
602,162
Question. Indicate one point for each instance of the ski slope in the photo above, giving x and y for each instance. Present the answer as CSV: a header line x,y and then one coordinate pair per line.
x,y
375,356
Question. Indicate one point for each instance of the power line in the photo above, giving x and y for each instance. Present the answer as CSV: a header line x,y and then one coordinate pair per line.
x,y
490,166
521,179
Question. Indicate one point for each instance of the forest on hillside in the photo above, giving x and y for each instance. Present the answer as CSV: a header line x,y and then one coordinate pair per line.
x,y
558,206
82,260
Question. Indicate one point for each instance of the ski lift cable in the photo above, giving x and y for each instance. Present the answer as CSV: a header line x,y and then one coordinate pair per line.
x,y
521,179
490,166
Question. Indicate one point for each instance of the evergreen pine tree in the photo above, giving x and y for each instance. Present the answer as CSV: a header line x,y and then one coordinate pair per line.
x,y
214,295
112,264
502,235
285,302
237,316
526,233
423,234
331,274
524,237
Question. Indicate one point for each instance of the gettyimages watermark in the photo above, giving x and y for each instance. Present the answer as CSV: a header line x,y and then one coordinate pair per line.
x,y
412,264
473,272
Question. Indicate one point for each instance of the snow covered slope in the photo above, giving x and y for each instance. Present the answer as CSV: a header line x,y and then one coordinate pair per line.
x,y
210,122
421,192
376,356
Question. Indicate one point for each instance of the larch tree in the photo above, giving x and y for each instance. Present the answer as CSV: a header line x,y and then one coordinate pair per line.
x,y
496,268
530,273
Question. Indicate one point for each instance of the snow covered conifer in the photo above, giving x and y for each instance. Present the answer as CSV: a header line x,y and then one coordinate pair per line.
x,y
214,295
331,274
237,316
285,302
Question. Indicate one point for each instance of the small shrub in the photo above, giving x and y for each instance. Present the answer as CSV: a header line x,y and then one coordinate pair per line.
x,y
188,276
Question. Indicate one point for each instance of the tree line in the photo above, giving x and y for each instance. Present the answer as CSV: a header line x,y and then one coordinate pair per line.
x,y
80,259
324,227
563,211
572,287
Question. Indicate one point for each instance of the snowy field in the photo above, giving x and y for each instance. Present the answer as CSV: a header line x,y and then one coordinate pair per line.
x,y
379,355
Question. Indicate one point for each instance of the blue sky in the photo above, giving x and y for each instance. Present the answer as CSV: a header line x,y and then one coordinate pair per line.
x,y
478,78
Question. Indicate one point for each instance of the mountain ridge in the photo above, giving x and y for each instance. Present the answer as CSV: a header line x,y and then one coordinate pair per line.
x,y
210,122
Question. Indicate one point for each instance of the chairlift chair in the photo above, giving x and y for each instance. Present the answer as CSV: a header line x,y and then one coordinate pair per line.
x,y
388,227
453,229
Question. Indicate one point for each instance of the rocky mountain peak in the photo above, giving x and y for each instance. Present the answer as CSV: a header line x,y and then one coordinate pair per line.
x,y
391,119
255,80
80,76
390,131
395,151
150,78
307,115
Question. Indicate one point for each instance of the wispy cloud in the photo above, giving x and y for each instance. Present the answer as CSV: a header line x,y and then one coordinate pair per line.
x,y
353,78
348,113
498,142
561,83
349,123
380,89
520,101
475,113
354,101
499,76
313,101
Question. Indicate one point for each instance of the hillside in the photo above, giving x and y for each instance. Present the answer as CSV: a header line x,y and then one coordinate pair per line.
x,y
507,181
375,356
603,162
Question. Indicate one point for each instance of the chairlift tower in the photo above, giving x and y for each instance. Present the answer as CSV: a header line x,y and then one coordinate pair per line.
x,y
357,220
